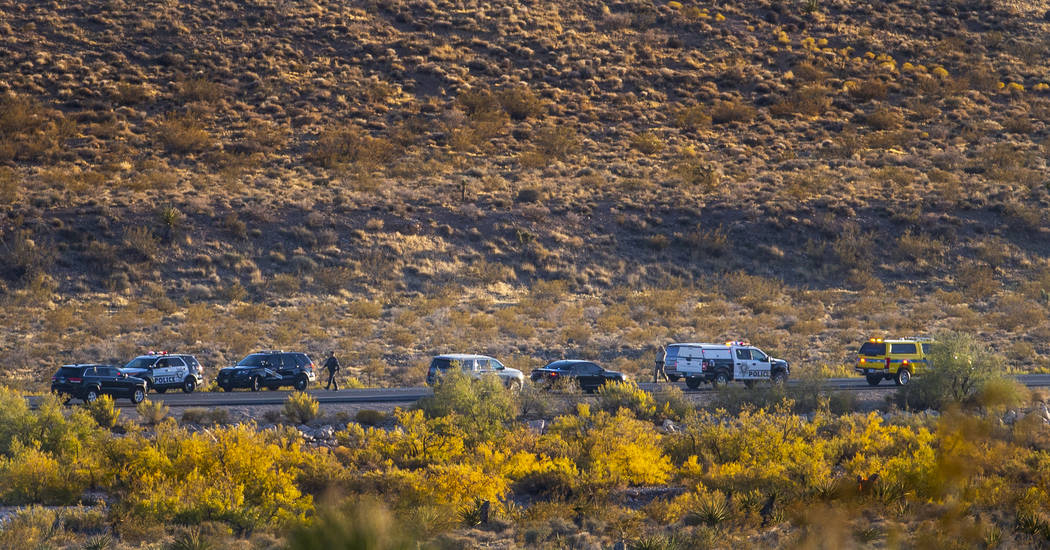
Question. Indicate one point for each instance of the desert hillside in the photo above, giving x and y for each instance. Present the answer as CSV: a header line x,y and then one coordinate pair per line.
x,y
527,179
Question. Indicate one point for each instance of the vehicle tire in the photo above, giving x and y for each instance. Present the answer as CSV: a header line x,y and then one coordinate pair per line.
x,y
138,395
692,382
673,377
721,380
90,396
779,378
160,390
301,383
873,379
226,388
903,377
189,385
254,383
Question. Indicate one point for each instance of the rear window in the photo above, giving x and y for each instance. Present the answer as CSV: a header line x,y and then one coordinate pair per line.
x,y
440,364
926,348
70,371
903,348
871,348
302,360
672,353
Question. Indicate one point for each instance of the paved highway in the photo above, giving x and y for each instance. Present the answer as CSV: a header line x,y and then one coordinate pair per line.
x,y
411,395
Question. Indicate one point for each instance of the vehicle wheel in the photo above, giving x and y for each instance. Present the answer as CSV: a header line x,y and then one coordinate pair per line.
x,y
226,388
673,377
189,385
301,383
138,395
903,377
873,379
91,396
692,383
779,378
721,380
254,384
749,384
160,390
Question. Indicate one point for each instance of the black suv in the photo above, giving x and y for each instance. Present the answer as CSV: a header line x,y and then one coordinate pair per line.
x,y
87,382
259,369
163,371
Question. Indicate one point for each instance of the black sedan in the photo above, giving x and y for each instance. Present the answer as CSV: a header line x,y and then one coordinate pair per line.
x,y
252,378
587,374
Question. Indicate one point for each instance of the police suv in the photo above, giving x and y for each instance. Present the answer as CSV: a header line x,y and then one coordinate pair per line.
x,y
163,371
718,364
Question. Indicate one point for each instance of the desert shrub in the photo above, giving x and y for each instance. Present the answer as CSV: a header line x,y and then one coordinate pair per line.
x,y
482,407
611,450
300,408
521,103
759,293
141,242
183,134
30,131
616,395
883,119
151,412
556,142
807,101
343,145
671,402
357,524
29,475
104,411
732,111
959,366
999,393
238,475
647,143
695,171
200,415
201,89
370,417
691,117
23,257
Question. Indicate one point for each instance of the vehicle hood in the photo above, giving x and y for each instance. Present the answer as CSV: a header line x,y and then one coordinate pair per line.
x,y
133,372
236,369
511,373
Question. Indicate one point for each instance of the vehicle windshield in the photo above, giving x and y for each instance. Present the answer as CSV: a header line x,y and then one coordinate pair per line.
x,y
872,348
559,365
255,360
139,363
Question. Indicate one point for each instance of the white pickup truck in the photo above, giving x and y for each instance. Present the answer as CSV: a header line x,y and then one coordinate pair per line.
x,y
718,364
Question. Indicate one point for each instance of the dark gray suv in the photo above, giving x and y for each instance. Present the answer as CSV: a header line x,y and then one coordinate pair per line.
x,y
294,369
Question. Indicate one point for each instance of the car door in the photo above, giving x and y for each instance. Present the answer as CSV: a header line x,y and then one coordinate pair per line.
x,y
741,363
592,374
110,380
760,364
177,371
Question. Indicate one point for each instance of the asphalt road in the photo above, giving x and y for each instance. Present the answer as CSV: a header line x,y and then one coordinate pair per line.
x,y
411,395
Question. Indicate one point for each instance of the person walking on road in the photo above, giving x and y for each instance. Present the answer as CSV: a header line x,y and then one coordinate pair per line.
x,y
658,368
332,364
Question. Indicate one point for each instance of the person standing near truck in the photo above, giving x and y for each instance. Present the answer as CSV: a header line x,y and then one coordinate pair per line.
x,y
332,364
658,367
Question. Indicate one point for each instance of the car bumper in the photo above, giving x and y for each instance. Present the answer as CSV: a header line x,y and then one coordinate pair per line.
x,y
867,371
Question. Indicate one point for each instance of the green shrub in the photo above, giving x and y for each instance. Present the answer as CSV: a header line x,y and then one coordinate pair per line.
x,y
104,411
356,525
959,366
614,396
671,402
151,412
1000,392
481,407
732,111
301,408
370,417
200,415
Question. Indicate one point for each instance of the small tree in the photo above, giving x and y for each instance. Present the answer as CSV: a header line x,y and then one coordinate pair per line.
x,y
103,411
959,366
481,407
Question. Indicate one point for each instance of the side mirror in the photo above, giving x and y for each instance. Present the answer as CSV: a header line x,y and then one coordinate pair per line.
x,y
123,375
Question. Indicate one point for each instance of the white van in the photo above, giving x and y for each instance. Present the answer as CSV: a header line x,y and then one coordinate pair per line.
x,y
718,364
476,366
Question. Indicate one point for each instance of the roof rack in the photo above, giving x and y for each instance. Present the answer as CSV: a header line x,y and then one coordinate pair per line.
x,y
917,338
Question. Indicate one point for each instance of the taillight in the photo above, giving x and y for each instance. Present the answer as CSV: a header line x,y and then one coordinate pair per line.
x,y
554,375
76,380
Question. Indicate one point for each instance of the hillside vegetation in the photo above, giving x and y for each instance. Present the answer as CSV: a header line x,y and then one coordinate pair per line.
x,y
531,180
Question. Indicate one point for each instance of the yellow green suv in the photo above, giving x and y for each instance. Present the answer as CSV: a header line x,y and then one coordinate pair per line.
x,y
896,360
